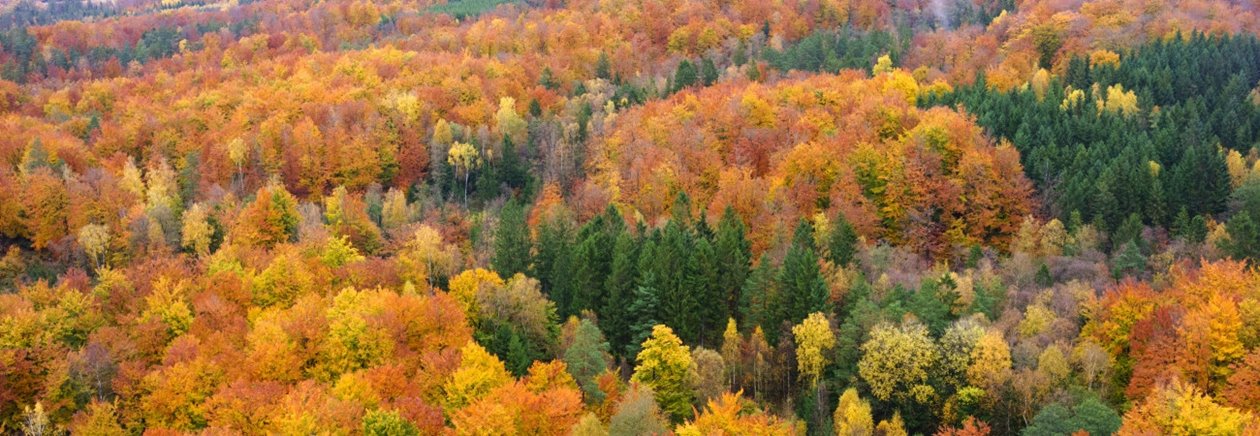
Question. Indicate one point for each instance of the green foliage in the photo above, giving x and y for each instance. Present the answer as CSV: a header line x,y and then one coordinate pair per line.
x,y
834,50
803,289
587,358
511,241
462,9
1090,415
1244,237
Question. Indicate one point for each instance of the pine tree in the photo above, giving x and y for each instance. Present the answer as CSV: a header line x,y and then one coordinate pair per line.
x,y
685,76
511,241
702,286
733,252
756,305
553,263
603,68
620,286
644,313
803,289
841,242
586,359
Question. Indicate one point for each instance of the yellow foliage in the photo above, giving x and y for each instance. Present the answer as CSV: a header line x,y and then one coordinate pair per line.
x,y
813,339
464,286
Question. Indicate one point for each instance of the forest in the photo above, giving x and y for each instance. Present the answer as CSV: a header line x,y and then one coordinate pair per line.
x,y
610,217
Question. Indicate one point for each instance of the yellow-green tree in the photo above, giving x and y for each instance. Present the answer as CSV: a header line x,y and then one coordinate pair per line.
x,y
813,339
665,366
464,158
896,361
196,230
479,373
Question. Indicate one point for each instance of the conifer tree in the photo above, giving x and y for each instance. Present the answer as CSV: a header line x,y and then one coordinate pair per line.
x,y
803,290
511,241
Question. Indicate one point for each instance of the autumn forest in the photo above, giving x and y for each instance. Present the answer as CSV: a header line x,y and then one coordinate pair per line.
x,y
630,217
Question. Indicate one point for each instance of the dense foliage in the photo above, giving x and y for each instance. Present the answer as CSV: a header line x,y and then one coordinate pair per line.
x,y
583,217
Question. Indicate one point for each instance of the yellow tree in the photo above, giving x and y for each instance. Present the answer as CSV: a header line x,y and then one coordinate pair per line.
x,y
479,373
896,360
197,231
813,339
510,123
465,158
665,365
464,286
853,415
1181,409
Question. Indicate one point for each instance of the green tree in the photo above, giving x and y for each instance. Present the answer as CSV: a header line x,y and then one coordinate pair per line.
x,y
685,76
587,358
733,252
841,241
803,290
511,241
1244,237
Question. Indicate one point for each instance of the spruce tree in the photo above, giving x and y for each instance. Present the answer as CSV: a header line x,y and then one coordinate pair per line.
x,y
614,316
803,290
511,241
733,252
756,304
702,286
841,242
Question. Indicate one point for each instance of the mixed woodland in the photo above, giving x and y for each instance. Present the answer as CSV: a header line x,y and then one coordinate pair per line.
x,y
630,217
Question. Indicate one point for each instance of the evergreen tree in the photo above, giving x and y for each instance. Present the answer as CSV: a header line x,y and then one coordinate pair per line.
x,y
511,241
553,263
803,289
756,304
603,68
614,318
586,359
1244,237
733,252
708,72
841,242
685,76
702,286
644,313
1130,261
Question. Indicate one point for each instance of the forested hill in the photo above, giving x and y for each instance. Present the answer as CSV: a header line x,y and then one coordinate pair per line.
x,y
851,217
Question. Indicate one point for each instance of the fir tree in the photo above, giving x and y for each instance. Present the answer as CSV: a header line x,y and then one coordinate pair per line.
x,y
733,252
841,242
803,289
511,241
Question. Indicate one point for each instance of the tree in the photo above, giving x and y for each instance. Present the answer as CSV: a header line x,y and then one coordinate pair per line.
x,y
1244,237
587,358
803,289
813,341
508,122
387,423
685,76
94,238
853,415
990,362
1242,389
479,372
729,414
1180,408
896,362
464,158
272,218
732,353
841,242
709,374
511,241
197,234
733,252
970,427
638,414
665,366
45,202
1094,417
